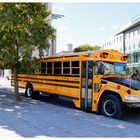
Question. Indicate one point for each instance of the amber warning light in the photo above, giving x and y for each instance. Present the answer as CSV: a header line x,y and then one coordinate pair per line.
x,y
124,58
104,55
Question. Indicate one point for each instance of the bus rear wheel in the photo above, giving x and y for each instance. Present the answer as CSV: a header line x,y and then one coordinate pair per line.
x,y
111,106
30,93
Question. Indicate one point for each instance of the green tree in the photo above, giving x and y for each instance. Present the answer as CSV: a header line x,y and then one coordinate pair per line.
x,y
24,28
86,47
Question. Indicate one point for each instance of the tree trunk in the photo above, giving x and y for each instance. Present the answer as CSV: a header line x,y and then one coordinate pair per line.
x,y
15,72
16,91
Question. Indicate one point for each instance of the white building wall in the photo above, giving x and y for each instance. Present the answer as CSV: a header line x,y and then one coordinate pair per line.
x,y
132,47
128,42
132,40
115,42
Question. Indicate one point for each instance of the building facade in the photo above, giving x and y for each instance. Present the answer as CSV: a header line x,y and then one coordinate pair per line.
x,y
70,49
132,46
115,42
127,41
52,49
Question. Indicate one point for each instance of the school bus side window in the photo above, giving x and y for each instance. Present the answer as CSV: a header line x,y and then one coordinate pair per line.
x,y
66,67
43,68
49,68
57,68
75,67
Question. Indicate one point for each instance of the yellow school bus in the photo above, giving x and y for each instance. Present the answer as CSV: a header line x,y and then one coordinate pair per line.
x,y
94,80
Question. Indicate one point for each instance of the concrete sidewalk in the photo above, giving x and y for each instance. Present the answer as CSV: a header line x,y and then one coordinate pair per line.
x,y
48,117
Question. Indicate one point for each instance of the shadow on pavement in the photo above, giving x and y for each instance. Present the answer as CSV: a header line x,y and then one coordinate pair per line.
x,y
132,115
59,101
26,117
55,117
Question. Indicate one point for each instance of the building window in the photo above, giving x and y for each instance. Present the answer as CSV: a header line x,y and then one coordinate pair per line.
x,y
134,33
129,47
138,44
125,36
125,48
139,55
134,46
120,38
129,35
129,58
138,32
117,39
135,56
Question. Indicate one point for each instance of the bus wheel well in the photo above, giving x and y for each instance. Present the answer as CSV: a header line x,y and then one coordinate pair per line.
x,y
105,93
29,84
29,92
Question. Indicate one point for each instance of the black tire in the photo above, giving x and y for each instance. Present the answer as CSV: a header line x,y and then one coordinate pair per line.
x,y
30,93
111,106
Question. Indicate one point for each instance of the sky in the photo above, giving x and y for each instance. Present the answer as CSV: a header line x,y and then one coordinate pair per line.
x,y
90,23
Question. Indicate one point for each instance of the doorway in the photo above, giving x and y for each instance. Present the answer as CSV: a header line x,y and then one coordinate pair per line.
x,y
87,82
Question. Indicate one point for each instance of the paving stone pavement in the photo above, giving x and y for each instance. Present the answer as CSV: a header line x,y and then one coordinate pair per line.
x,y
48,117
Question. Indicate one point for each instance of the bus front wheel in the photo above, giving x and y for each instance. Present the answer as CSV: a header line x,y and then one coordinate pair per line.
x,y
111,106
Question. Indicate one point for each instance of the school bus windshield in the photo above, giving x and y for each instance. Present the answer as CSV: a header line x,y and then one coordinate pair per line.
x,y
113,68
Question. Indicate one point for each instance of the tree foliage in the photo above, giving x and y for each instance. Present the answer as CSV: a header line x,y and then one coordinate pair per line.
x,y
24,28
86,47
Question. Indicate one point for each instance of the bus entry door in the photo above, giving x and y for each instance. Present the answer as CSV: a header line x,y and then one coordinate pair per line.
x,y
87,80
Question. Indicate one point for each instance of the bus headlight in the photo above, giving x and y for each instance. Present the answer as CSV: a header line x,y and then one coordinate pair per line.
x,y
131,98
